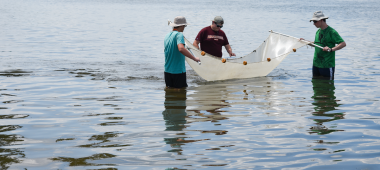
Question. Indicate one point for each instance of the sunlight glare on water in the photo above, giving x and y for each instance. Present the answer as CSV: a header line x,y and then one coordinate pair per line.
x,y
82,87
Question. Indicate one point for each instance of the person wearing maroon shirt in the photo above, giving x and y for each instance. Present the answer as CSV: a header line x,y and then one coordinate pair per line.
x,y
212,38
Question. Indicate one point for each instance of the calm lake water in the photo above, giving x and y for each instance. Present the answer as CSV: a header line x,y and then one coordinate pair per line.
x,y
81,87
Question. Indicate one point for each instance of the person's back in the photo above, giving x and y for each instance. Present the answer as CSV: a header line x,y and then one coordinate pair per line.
x,y
174,59
175,52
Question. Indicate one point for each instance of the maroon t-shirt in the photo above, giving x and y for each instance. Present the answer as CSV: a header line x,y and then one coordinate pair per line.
x,y
212,41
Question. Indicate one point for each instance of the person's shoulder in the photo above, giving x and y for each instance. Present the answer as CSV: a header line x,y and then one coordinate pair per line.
x,y
332,29
335,35
317,32
221,32
329,27
168,35
179,34
206,28
175,33
180,37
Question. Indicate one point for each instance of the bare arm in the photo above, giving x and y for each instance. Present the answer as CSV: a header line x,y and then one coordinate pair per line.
x,y
229,50
195,43
336,48
186,53
339,46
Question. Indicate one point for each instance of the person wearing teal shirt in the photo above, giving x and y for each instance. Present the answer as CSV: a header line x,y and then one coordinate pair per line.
x,y
175,52
326,37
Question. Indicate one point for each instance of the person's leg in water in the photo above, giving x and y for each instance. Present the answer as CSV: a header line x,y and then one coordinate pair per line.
x,y
177,81
325,73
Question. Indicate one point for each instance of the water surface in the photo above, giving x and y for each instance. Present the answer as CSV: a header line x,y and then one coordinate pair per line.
x,y
81,87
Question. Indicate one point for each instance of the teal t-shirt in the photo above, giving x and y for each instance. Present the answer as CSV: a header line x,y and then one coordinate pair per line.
x,y
327,37
174,60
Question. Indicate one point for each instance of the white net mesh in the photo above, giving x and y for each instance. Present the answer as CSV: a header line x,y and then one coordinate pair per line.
x,y
276,45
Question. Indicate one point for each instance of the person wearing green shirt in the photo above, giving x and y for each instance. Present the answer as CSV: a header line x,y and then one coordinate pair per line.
x,y
326,37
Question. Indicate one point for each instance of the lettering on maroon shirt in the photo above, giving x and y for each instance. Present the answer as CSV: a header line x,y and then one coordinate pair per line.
x,y
215,37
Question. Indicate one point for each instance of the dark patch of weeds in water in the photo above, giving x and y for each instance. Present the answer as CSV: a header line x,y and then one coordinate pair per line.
x,y
63,139
83,161
13,101
15,73
9,128
113,123
13,116
100,114
131,78
96,74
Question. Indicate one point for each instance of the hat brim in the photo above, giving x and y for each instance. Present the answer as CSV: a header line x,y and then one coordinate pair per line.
x,y
177,25
318,19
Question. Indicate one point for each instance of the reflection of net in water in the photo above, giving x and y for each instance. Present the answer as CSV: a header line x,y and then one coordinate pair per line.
x,y
217,101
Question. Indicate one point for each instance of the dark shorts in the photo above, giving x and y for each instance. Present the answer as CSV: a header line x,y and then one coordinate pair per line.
x,y
175,80
324,72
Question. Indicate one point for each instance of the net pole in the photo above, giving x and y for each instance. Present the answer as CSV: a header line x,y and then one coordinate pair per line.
x,y
315,45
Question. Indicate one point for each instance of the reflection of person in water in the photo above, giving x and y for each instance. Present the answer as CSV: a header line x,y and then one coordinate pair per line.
x,y
175,118
324,102
175,109
174,113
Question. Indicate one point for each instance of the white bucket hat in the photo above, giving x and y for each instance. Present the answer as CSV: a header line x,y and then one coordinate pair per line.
x,y
318,15
178,21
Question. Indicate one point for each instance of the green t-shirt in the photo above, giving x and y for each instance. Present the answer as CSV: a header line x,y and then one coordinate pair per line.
x,y
327,37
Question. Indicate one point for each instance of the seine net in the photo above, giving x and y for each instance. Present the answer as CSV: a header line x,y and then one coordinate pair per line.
x,y
276,45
